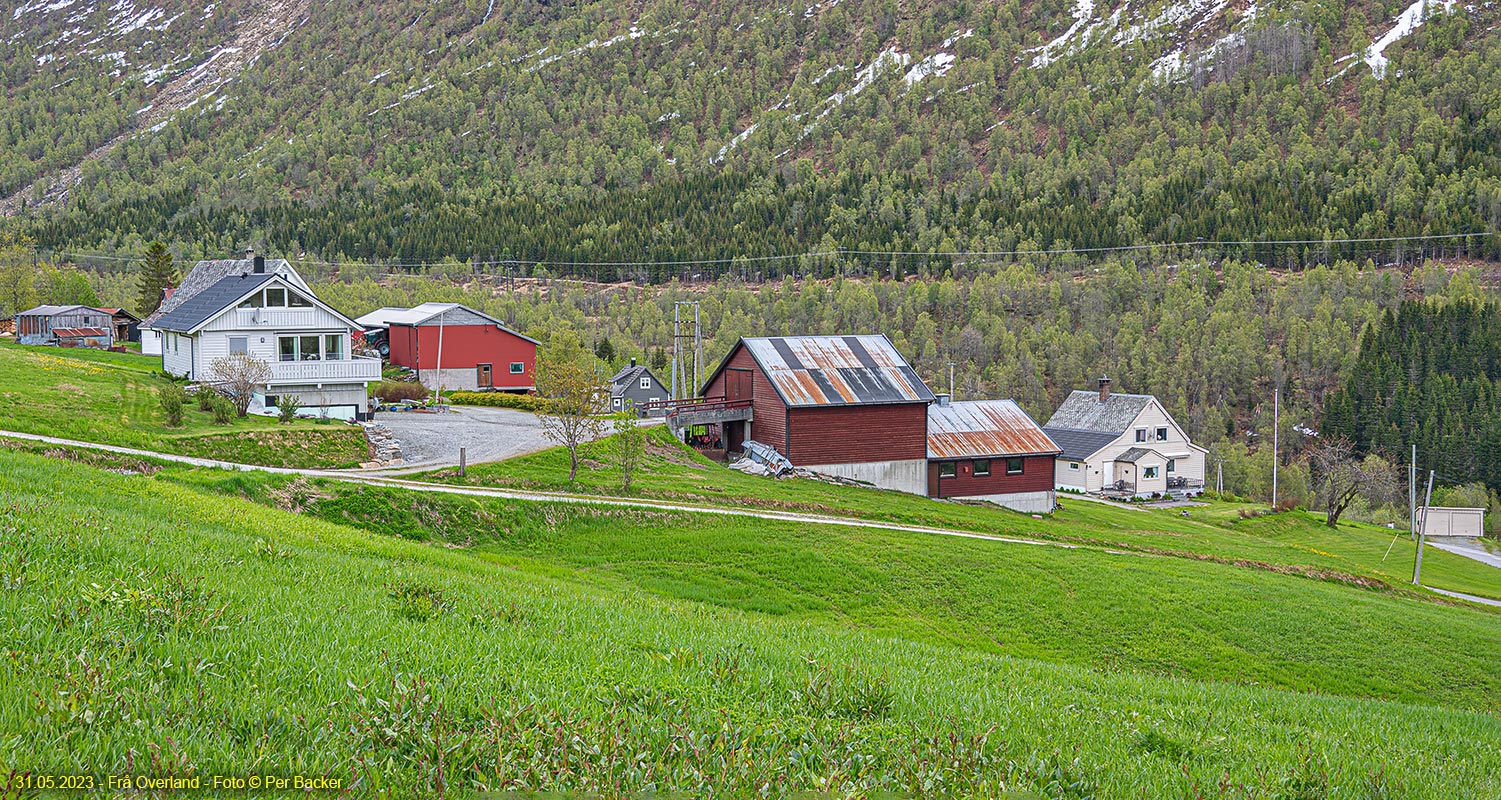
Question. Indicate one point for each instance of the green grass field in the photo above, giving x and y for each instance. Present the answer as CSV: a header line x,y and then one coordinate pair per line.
x,y
1111,610
146,622
1297,540
111,398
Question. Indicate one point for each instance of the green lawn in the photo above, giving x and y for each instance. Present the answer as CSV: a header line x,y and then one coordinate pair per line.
x,y
1166,615
1297,540
99,396
146,623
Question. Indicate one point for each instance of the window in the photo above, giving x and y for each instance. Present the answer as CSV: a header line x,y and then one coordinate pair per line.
x,y
276,297
1014,466
646,383
307,348
333,347
286,348
1074,465
1172,466
271,401
617,402
296,300
1141,434
238,344
655,400
947,469
1149,472
254,301
982,467
517,367
1162,434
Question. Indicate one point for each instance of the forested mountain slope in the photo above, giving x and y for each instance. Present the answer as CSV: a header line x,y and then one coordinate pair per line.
x,y
607,131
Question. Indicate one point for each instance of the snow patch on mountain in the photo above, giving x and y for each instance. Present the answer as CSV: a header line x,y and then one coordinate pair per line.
x,y
1408,21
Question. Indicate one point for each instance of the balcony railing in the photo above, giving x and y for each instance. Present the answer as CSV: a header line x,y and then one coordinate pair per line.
x,y
347,369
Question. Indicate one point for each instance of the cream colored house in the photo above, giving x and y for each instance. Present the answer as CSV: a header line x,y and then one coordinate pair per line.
x,y
1124,445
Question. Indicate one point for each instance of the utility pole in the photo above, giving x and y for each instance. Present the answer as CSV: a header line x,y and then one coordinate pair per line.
x,y
1219,476
1276,423
686,376
438,392
1412,495
1417,563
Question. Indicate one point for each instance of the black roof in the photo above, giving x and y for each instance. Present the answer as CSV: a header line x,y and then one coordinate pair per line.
x,y
202,306
1078,445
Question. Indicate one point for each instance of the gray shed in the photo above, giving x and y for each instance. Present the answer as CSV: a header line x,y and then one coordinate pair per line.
x,y
65,325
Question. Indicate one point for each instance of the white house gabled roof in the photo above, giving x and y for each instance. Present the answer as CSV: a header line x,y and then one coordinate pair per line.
x,y
224,295
209,272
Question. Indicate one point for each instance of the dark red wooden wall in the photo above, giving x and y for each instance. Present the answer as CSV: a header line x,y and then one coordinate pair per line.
x,y
856,434
1037,476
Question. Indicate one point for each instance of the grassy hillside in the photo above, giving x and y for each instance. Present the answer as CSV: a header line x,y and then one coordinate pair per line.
x,y
1298,540
148,623
111,398
1109,609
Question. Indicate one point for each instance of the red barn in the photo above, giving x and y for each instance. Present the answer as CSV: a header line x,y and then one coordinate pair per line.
x,y
990,450
478,352
842,405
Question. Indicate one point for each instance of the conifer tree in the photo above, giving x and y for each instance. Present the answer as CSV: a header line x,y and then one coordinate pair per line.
x,y
157,276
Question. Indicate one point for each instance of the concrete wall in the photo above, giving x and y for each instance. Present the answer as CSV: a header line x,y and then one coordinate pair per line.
x,y
342,402
1025,502
903,476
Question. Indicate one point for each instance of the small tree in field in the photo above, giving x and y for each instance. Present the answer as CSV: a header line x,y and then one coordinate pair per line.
x,y
569,386
1340,476
173,398
286,408
628,446
237,375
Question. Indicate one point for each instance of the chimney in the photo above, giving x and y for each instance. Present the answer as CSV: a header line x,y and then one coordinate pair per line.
x,y
1104,389
633,361
259,265
942,398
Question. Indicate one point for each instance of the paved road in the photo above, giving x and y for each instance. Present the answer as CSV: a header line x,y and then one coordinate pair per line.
x,y
1472,598
1469,548
429,441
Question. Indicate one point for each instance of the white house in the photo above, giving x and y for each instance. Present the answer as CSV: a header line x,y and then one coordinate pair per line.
x,y
1123,444
274,318
203,275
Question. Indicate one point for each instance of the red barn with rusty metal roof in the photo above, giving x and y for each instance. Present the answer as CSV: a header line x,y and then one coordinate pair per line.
x,y
842,405
990,450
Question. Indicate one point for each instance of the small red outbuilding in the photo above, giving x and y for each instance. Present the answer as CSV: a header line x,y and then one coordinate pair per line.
x,y
455,347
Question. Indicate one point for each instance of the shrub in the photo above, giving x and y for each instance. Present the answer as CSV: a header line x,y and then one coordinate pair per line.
x,y
205,397
172,398
286,407
397,391
521,402
223,408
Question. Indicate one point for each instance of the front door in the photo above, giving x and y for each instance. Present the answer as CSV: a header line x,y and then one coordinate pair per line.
x,y
485,379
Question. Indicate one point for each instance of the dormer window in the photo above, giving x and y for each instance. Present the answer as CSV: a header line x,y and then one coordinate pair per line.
x,y
276,297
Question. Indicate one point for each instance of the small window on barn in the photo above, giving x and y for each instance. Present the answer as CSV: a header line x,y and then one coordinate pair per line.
x,y
517,367
1141,434
646,383
947,469
1014,466
1162,434
982,467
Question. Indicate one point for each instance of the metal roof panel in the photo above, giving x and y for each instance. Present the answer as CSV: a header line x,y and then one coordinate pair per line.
x,y
980,428
837,370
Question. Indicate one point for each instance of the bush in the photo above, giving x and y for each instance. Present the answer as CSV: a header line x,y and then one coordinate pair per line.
x,y
205,397
172,398
397,391
286,407
223,408
521,402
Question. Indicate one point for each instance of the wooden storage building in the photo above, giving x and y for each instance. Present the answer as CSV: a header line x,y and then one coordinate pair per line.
x,y
990,450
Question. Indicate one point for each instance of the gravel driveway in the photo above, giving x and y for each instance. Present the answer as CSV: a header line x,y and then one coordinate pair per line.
x,y
488,434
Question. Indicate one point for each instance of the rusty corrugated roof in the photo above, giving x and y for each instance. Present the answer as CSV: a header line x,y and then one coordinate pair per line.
x,y
76,333
979,428
837,370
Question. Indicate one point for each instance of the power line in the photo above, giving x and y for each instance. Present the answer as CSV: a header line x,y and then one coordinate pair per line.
x,y
850,252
